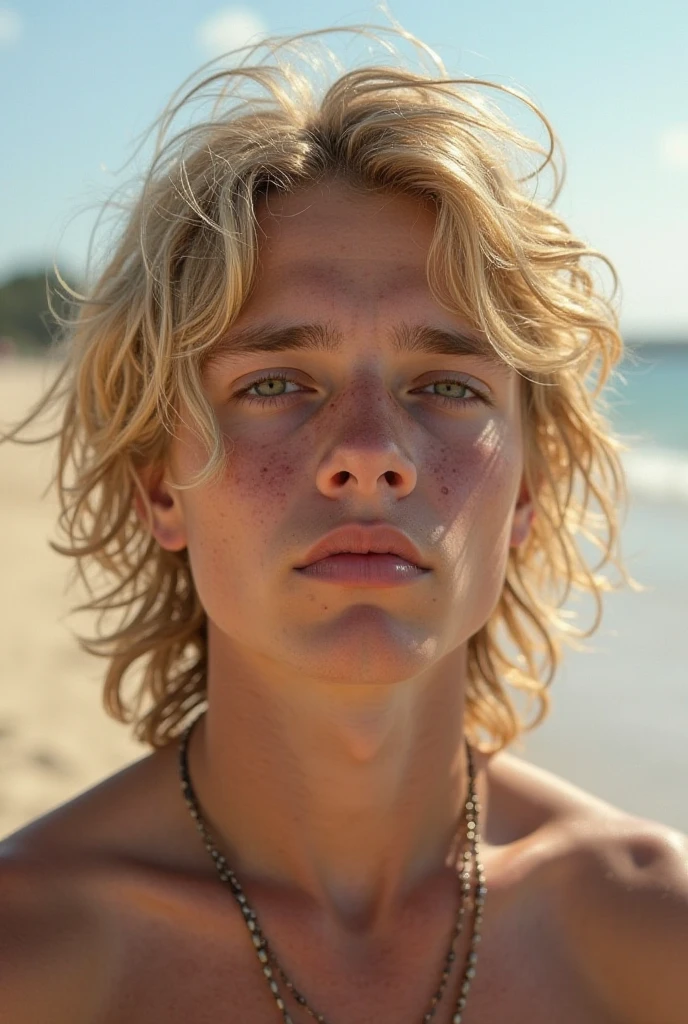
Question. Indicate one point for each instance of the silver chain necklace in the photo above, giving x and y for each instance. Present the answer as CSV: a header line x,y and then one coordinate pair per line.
x,y
269,963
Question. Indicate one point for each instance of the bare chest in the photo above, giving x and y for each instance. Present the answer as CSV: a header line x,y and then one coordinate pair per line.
x,y
206,970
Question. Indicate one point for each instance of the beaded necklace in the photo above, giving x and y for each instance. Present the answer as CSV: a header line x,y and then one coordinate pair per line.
x,y
270,965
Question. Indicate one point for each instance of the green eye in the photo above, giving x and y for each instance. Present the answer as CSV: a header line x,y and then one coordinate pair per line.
x,y
475,396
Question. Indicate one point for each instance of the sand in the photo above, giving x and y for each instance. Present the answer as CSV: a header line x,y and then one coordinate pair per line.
x,y
55,739
619,721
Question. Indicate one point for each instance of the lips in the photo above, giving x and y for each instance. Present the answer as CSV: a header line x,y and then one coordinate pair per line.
x,y
364,538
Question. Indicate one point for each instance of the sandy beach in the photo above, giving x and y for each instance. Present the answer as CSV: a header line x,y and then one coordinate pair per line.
x,y
619,720
55,739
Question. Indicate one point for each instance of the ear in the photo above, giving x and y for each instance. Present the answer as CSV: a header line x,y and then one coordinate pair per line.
x,y
524,513
159,509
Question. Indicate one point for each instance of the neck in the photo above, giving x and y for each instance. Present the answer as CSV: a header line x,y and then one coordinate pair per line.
x,y
349,795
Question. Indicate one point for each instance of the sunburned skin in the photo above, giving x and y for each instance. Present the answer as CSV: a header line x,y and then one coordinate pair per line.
x,y
352,699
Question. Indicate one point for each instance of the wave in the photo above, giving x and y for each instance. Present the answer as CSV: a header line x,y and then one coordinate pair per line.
x,y
658,474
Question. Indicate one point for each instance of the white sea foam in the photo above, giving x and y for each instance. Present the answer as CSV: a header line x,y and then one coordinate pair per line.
x,y
658,474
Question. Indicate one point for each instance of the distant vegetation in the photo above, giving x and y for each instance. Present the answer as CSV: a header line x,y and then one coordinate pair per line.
x,y
26,324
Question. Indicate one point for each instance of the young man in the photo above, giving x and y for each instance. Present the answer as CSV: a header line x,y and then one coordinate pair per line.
x,y
324,418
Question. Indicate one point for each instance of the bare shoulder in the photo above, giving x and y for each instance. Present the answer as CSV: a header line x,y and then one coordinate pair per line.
x,y
44,946
627,912
51,926
622,886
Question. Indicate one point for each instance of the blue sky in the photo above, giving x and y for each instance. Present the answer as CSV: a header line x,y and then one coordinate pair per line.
x,y
81,80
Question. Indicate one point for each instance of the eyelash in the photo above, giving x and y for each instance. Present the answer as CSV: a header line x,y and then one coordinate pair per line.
x,y
243,395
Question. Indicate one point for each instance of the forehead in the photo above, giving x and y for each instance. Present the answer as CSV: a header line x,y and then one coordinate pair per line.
x,y
336,238
335,264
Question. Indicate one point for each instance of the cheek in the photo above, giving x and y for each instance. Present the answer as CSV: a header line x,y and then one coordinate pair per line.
x,y
258,482
480,485
231,523
478,481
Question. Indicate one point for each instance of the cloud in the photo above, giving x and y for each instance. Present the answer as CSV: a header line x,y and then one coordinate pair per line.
x,y
10,26
674,146
229,29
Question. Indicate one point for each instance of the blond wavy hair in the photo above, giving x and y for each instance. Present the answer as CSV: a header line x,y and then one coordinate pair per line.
x,y
180,271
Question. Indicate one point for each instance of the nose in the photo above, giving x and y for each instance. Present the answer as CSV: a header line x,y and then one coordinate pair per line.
x,y
367,457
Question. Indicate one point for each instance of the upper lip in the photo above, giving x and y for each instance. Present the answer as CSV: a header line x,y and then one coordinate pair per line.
x,y
361,538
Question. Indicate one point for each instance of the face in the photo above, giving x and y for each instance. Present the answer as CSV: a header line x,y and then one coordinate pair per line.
x,y
428,441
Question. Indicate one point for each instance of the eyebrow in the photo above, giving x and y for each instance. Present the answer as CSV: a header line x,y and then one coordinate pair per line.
x,y
407,339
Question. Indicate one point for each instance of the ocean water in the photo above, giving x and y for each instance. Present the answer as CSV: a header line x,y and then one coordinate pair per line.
x,y
649,408
619,717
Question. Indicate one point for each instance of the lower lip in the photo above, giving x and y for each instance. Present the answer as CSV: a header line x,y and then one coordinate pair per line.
x,y
372,570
